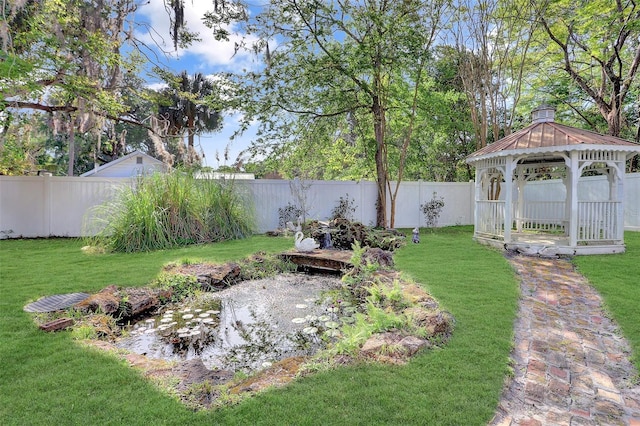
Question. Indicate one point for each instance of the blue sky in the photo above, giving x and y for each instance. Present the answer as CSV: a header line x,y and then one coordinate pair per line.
x,y
207,56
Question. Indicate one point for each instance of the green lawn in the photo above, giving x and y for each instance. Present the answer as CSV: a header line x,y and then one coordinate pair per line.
x,y
48,379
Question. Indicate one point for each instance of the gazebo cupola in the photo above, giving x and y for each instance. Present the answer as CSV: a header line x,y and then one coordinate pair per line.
x,y
573,218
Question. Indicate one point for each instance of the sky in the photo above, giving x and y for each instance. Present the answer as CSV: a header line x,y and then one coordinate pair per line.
x,y
207,56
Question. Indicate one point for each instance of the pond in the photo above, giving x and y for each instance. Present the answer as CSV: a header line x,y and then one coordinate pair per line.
x,y
245,327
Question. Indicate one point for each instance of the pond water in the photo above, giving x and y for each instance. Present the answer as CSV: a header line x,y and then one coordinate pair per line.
x,y
245,327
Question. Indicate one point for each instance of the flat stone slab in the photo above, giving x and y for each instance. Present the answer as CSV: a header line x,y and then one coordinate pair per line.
x,y
56,302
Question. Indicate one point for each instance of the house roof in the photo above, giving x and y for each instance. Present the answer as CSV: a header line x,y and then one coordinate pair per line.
x,y
135,153
549,136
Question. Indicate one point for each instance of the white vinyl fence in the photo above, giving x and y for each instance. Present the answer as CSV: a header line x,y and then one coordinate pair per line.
x,y
45,206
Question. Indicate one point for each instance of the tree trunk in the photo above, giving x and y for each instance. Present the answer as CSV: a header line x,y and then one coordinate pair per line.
x,y
381,170
72,148
613,122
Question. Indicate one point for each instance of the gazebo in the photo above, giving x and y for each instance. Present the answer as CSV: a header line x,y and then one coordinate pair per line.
x,y
575,213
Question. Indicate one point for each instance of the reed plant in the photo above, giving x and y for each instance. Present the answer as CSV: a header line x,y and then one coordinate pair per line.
x,y
168,210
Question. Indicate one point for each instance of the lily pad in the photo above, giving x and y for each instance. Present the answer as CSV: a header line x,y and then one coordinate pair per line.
x,y
332,333
331,324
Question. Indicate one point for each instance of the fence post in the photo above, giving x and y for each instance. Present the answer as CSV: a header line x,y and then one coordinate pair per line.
x,y
46,205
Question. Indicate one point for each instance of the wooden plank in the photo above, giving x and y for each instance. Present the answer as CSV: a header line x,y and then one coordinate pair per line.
x,y
334,261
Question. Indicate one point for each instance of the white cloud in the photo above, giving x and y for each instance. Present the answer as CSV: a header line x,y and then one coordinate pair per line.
x,y
157,86
207,53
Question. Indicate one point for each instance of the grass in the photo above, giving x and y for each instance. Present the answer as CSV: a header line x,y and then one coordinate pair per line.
x,y
617,279
48,379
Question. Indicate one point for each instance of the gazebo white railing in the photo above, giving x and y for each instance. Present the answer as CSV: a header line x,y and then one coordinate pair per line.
x,y
490,217
597,220
548,216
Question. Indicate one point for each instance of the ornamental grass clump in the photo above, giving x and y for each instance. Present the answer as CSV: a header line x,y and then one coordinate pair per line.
x,y
169,210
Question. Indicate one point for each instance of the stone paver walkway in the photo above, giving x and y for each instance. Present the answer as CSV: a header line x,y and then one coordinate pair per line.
x,y
571,365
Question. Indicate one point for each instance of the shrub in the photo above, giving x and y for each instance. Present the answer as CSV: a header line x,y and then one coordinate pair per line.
x,y
344,209
180,286
289,213
432,210
169,210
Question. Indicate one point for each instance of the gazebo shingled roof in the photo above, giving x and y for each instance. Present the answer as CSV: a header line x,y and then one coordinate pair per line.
x,y
545,136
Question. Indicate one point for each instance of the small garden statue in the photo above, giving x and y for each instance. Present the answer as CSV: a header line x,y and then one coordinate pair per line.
x,y
416,235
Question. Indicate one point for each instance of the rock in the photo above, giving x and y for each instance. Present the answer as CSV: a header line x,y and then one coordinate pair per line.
x,y
439,323
106,300
392,347
345,233
379,342
418,295
383,258
434,321
218,277
413,344
194,371
138,301
57,324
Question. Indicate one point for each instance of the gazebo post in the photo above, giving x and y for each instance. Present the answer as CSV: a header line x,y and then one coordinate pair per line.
x,y
519,211
572,196
508,199
616,193
478,194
